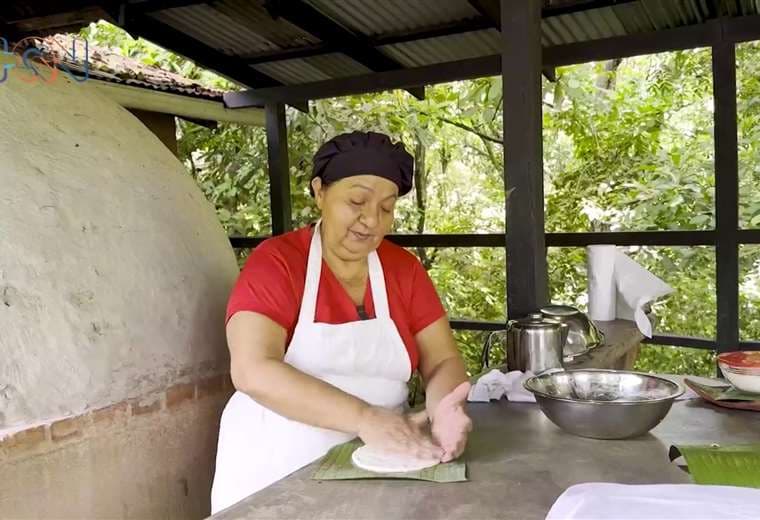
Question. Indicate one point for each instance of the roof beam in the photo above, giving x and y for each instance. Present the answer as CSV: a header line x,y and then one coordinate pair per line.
x,y
179,105
19,19
491,9
137,21
151,6
306,51
690,37
478,23
309,19
488,9
373,82
725,29
15,11
228,66
548,12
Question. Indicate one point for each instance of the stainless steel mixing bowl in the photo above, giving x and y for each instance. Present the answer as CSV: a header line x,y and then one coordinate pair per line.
x,y
603,404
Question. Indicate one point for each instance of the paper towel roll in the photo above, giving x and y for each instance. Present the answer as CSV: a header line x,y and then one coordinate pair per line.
x,y
618,287
602,291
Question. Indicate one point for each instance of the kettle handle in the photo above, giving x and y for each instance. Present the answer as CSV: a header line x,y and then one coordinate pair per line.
x,y
486,352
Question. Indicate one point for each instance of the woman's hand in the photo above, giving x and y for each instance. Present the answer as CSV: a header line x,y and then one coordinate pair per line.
x,y
387,430
451,423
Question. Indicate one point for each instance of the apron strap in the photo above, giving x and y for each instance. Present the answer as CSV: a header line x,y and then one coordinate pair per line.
x,y
377,286
314,271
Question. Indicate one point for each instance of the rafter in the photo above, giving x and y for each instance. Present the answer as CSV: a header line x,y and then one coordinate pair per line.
x,y
309,19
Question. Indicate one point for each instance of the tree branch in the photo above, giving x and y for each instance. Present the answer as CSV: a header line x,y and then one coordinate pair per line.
x,y
466,128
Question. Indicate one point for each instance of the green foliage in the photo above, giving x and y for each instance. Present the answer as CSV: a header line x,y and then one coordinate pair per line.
x,y
628,145
670,360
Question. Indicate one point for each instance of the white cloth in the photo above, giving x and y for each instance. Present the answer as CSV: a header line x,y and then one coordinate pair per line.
x,y
595,501
496,384
618,287
368,359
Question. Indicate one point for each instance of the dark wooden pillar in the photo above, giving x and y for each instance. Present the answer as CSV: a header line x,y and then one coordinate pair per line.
x,y
279,172
523,155
726,195
163,126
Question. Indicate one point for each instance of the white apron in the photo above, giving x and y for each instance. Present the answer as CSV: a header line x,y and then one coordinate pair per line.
x,y
367,359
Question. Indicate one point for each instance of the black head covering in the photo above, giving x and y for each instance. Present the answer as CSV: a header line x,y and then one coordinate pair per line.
x,y
364,153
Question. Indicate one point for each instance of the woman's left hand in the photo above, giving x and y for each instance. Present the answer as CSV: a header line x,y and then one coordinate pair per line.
x,y
450,423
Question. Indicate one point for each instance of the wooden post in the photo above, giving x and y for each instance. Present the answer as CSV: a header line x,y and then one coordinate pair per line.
x,y
279,172
726,195
523,156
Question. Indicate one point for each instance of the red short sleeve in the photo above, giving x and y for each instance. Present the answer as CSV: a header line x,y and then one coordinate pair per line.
x,y
426,306
265,286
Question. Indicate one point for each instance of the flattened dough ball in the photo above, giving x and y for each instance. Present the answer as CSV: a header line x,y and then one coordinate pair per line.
x,y
378,461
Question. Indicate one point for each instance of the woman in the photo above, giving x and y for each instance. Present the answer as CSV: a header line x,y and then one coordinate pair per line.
x,y
326,325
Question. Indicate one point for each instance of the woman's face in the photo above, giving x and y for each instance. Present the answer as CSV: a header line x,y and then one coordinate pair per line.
x,y
357,212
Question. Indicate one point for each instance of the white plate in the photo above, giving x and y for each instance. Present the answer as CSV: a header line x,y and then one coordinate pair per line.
x,y
377,461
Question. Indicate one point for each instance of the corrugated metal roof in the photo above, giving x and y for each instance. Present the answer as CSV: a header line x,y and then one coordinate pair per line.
x,y
315,68
445,48
245,29
255,17
628,18
392,16
235,28
215,29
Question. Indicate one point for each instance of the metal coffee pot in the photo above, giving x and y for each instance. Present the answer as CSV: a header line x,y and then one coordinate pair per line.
x,y
535,344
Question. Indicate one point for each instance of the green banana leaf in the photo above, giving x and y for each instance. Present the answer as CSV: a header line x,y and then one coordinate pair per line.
x,y
734,465
337,465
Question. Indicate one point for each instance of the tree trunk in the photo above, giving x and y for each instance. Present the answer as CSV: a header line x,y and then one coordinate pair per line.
x,y
420,191
606,79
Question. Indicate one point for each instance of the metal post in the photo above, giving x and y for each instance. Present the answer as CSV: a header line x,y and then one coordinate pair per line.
x,y
523,156
279,172
726,195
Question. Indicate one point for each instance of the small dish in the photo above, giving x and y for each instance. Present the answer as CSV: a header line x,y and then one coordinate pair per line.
x,y
742,369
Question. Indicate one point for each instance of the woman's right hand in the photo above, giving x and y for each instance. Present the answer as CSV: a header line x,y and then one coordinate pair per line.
x,y
399,433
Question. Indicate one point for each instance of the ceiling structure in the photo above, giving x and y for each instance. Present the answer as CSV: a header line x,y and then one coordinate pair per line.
x,y
271,43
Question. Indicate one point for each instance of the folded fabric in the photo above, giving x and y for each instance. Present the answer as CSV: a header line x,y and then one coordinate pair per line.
x,y
496,384
594,501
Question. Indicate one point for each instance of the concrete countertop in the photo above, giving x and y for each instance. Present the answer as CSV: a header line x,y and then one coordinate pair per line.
x,y
518,464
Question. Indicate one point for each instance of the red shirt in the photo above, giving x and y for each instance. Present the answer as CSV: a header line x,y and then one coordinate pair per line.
x,y
272,283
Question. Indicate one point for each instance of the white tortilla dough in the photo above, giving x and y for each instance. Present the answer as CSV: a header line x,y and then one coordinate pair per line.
x,y
377,461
